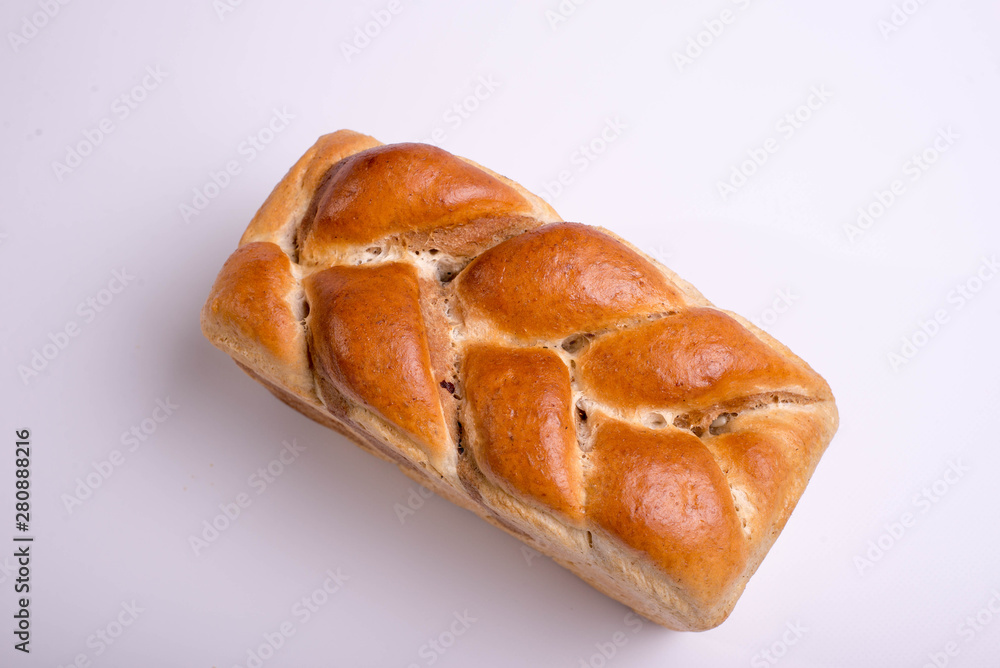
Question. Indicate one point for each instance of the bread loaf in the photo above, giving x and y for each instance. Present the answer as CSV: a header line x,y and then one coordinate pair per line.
x,y
546,375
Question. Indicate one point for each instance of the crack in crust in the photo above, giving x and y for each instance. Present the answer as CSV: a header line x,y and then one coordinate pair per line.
x,y
546,375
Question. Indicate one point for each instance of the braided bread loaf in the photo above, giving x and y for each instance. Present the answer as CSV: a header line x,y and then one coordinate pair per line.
x,y
545,375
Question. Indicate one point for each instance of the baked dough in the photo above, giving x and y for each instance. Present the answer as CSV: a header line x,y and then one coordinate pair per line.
x,y
546,375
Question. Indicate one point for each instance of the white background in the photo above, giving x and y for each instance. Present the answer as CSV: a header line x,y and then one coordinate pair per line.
x,y
556,85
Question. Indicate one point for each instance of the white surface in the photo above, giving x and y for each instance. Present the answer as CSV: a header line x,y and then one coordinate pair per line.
x,y
656,184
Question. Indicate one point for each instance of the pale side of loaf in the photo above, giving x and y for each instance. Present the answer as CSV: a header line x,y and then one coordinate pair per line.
x,y
547,376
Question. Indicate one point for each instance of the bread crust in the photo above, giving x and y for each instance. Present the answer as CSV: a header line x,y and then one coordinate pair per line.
x,y
521,431
547,376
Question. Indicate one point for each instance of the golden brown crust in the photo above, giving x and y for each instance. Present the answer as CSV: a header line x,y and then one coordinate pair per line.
x,y
293,195
610,416
368,340
559,280
694,359
661,493
251,310
521,425
401,188
248,296
764,453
